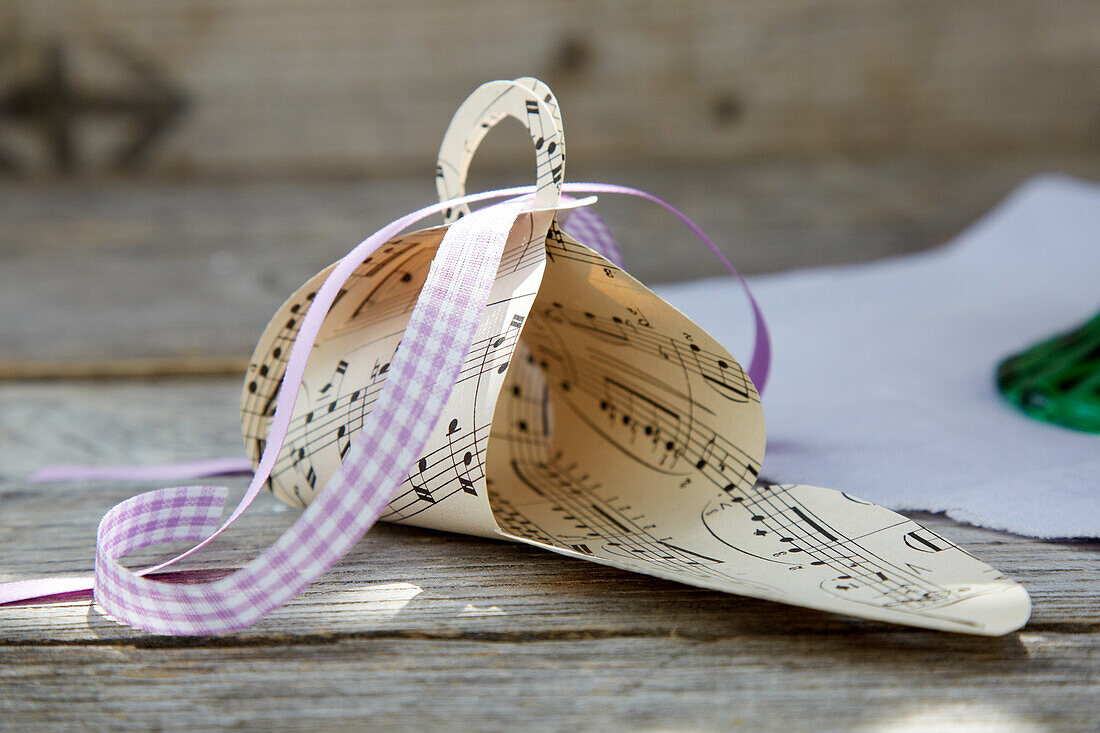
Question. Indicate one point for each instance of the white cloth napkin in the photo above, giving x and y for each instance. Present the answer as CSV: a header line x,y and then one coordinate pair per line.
x,y
883,373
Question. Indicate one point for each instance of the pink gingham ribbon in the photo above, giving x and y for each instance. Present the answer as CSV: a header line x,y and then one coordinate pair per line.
x,y
422,374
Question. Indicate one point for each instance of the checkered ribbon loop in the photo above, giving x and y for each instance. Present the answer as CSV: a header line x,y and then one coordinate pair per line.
x,y
422,374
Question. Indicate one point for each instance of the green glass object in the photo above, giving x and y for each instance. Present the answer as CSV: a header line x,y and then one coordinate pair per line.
x,y
1058,380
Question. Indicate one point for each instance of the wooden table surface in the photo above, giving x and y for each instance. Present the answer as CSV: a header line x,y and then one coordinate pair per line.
x,y
103,282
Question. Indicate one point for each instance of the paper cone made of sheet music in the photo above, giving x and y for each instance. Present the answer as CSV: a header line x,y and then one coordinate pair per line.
x,y
593,419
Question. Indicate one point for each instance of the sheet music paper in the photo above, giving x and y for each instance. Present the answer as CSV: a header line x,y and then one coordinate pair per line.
x,y
917,339
595,420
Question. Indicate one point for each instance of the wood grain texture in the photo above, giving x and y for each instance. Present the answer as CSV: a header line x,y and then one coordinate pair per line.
x,y
337,85
133,278
789,681
417,628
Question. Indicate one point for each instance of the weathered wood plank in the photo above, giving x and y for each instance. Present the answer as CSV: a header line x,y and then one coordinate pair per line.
x,y
797,682
138,278
400,581
339,85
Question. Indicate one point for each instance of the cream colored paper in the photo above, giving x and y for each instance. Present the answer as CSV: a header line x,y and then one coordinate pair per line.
x,y
594,420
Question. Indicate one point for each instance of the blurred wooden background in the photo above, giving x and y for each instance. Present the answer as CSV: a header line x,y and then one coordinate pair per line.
x,y
171,169
342,87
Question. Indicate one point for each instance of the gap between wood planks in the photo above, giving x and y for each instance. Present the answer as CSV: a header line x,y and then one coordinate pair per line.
x,y
134,368
526,637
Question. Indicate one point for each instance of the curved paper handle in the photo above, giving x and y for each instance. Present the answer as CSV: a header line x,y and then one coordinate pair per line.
x,y
527,100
